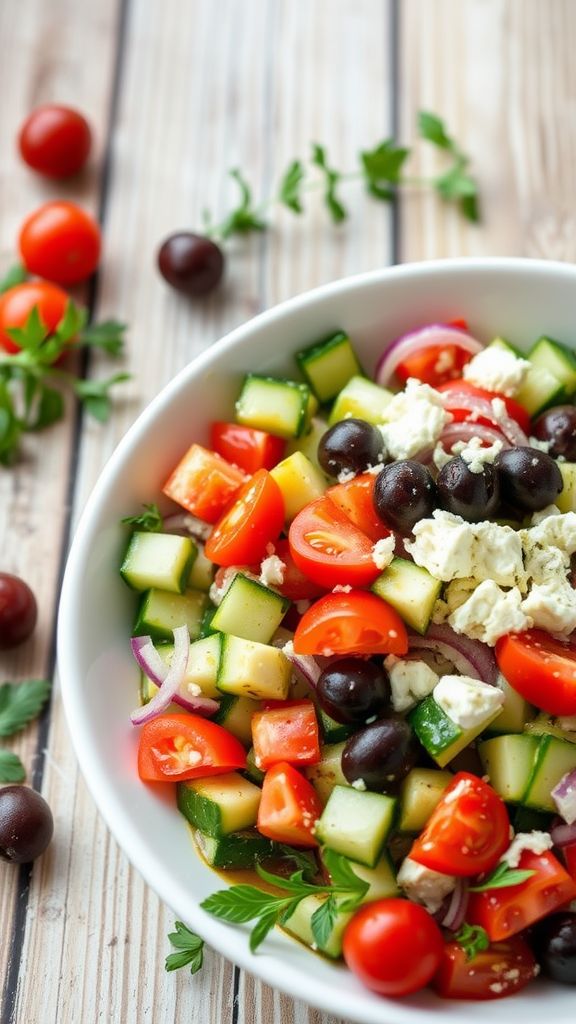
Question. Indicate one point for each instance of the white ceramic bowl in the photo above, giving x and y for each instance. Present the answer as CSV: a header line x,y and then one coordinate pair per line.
x,y
519,299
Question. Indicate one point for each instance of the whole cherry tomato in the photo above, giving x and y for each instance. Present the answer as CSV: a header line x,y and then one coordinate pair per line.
x,y
61,242
17,303
55,140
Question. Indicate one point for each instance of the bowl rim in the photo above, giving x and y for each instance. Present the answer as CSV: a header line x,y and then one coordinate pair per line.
x,y
222,938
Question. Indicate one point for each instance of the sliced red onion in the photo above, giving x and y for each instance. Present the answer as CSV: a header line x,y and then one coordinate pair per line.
x,y
470,657
563,835
157,671
425,337
306,665
148,659
185,522
455,432
564,796
172,681
453,910
475,405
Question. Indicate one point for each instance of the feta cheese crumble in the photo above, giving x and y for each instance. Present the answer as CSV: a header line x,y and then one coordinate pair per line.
x,y
490,613
450,548
422,885
476,456
272,571
467,702
552,606
536,842
410,681
413,420
383,551
497,369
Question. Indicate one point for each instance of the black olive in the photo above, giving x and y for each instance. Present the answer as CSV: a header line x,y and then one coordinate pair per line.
x,y
474,496
404,493
558,426
191,263
529,479
380,754
351,445
554,942
352,690
26,824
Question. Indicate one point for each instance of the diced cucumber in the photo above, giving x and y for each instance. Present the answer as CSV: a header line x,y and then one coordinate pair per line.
x,y
201,670
299,481
220,804
360,398
381,878
281,407
356,824
328,772
515,711
508,762
502,343
566,500
161,611
235,714
545,725
419,795
299,925
438,734
254,773
547,354
309,441
249,669
206,627
202,572
553,759
159,560
328,365
540,388
411,590
250,610
235,851
332,731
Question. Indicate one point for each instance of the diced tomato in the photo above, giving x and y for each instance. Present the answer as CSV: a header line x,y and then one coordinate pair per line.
x,y
203,483
329,549
295,586
289,807
541,669
247,447
254,520
286,733
493,973
434,364
356,500
350,623
461,393
569,854
180,746
467,832
504,912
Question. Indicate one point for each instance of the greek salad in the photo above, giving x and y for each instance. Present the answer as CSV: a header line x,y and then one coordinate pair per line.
x,y
356,632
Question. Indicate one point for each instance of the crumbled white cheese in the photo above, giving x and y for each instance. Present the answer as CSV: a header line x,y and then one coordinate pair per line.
x,y
218,590
422,885
476,455
440,456
542,446
499,409
553,529
410,681
341,588
193,689
490,613
345,476
446,360
552,606
359,784
375,470
544,564
536,842
497,369
413,420
272,571
498,554
467,702
450,548
383,551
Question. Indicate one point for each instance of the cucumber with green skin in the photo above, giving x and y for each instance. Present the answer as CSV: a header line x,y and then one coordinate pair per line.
x,y
250,610
411,590
328,365
356,823
158,560
220,804
237,850
280,407
161,611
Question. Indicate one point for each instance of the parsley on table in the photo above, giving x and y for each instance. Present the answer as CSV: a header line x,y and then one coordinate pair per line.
x,y
190,949
20,703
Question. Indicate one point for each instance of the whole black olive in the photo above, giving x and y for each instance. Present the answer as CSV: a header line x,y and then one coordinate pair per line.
x,y
351,445
26,824
474,496
191,263
558,427
351,690
554,943
529,479
404,493
380,754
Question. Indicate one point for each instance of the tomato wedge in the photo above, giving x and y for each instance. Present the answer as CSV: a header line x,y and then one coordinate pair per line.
x,y
504,912
468,831
255,520
203,483
355,499
329,549
247,447
500,970
541,669
180,746
350,623
434,364
295,586
289,807
286,733
461,395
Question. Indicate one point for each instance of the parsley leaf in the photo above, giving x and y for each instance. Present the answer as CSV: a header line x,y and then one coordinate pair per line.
x,y
20,703
94,394
150,520
48,407
72,322
13,276
11,767
382,166
245,217
502,876
289,192
190,947
323,920
455,184
107,335
431,127
473,939
10,428
301,859
331,179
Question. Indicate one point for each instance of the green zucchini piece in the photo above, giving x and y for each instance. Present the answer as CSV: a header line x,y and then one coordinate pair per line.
x,y
250,669
158,560
281,407
328,365
411,590
219,805
250,610
160,612
362,399
356,823
235,851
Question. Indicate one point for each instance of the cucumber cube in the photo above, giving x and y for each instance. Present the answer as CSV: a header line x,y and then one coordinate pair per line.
x,y
249,669
250,610
419,795
328,773
360,398
356,824
554,758
508,762
440,736
550,355
299,924
219,805
328,365
411,590
566,500
281,407
235,714
235,851
160,612
160,560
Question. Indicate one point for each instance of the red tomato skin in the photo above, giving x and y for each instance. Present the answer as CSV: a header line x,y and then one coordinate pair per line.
x,y
203,483
60,242
395,947
289,807
286,733
329,549
295,586
371,625
541,669
494,973
507,911
17,303
426,365
513,408
253,521
246,447
467,832
356,500
569,853
55,140
221,751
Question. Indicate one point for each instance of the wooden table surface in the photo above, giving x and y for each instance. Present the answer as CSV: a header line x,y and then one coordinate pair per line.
x,y
178,92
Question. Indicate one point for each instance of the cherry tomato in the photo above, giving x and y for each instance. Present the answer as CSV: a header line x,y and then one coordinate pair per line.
x,y
352,623
394,946
55,140
500,970
329,549
541,669
289,807
286,733
176,747
255,520
17,303
247,447
295,586
506,911
434,365
204,483
460,403
61,242
356,500
467,831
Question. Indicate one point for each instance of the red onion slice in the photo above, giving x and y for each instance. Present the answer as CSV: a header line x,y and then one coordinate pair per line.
x,y
455,432
453,910
475,405
157,671
564,796
306,665
563,835
470,657
172,681
432,335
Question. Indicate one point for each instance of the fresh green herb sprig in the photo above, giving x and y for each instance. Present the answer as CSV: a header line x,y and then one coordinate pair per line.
x,y
473,939
381,171
148,521
28,401
501,877
243,903
190,949
20,703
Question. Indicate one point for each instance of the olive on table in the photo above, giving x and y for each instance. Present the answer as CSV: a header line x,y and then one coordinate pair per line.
x,y
351,446
474,496
558,427
18,610
26,824
404,493
554,942
380,754
352,690
529,479
191,263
